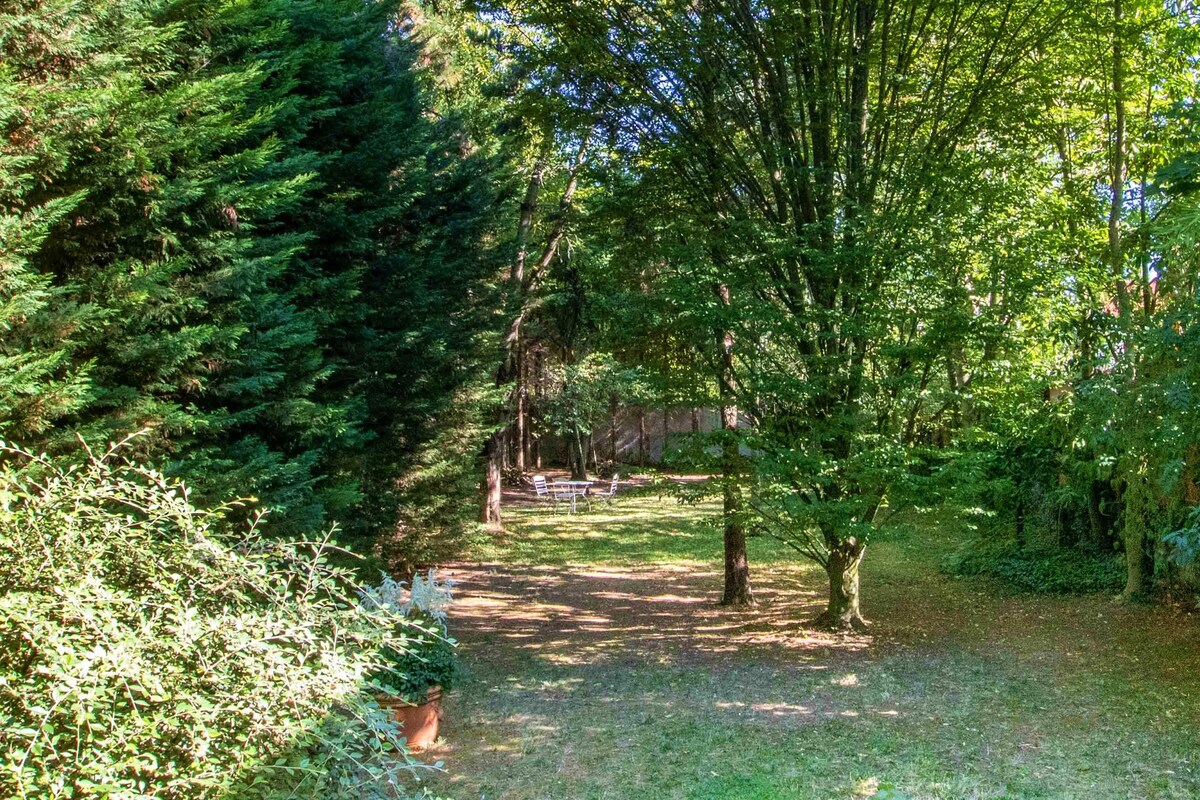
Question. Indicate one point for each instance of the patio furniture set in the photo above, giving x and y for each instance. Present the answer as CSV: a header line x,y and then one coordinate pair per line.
x,y
564,492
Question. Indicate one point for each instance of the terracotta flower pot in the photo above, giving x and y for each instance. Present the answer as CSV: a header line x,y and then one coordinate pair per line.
x,y
418,722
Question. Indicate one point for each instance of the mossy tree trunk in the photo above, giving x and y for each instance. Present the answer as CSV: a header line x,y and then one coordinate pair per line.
x,y
843,611
1138,566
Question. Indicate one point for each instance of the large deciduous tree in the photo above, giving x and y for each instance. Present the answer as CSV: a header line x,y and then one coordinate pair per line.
x,y
815,144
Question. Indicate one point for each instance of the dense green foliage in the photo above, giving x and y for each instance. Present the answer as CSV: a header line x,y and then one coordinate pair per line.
x,y
335,257
143,653
1055,571
235,224
955,242
427,661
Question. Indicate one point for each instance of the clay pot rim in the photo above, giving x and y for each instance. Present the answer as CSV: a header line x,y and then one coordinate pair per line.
x,y
432,695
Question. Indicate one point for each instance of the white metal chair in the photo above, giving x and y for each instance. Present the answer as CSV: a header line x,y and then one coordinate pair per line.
x,y
543,491
608,496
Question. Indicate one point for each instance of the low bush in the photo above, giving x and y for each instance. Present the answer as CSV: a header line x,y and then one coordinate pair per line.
x,y
146,654
1058,571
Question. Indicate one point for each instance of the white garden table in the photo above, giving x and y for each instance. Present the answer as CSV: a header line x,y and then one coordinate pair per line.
x,y
576,489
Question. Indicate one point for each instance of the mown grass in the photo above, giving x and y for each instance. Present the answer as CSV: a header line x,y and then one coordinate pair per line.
x,y
636,530
959,692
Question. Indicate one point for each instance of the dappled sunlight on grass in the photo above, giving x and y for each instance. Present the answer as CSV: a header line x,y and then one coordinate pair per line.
x,y
587,614
601,666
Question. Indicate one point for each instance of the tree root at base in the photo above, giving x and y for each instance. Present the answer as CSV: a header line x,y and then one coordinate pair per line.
x,y
838,623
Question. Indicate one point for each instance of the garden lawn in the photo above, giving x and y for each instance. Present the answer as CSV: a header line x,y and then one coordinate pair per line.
x,y
600,667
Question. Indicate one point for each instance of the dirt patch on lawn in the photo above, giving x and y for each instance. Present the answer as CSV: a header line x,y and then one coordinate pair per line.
x,y
601,680
660,615
668,614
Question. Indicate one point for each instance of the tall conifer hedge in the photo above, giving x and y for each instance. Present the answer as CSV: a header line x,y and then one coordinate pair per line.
x,y
235,223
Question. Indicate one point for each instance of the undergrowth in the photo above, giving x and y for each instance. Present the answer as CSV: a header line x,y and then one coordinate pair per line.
x,y
1058,571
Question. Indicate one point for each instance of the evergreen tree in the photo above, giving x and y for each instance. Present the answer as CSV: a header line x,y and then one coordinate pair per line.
x,y
235,224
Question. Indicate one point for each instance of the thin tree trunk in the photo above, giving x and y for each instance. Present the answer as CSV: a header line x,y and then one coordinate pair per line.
x,y
535,443
641,436
1135,528
490,513
695,420
519,434
666,433
578,459
612,430
737,590
527,439
1119,169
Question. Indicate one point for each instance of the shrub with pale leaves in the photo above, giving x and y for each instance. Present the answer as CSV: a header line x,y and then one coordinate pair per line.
x,y
146,654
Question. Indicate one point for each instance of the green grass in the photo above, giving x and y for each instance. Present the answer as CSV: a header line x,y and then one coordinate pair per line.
x,y
646,529
599,668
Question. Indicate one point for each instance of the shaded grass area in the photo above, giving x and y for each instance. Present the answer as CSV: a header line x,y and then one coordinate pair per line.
x,y
601,668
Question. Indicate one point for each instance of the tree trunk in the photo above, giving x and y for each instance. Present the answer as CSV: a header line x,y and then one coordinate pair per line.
x,y
492,488
666,433
695,420
843,611
612,430
641,436
1119,170
535,441
737,563
519,433
578,458
1138,566
737,591
527,441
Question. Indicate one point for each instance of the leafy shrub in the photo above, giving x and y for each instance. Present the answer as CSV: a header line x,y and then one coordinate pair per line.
x,y
1059,571
431,660
429,656
1184,543
146,654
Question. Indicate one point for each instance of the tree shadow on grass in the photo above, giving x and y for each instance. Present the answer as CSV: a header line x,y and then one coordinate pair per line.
x,y
653,615
615,680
